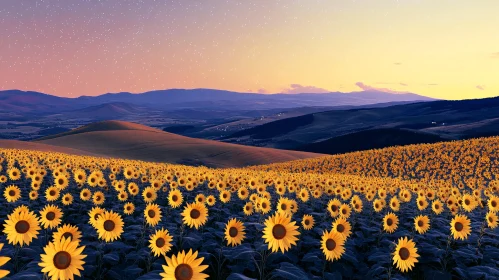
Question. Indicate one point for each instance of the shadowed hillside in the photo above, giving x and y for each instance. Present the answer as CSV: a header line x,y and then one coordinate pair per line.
x,y
133,141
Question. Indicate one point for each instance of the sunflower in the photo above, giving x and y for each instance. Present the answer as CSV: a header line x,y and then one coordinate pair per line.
x,y
160,242
234,232
405,255
211,200
195,214
149,194
184,267
422,223
395,204
345,211
280,233
80,176
332,245
304,195
122,196
128,208
307,222
12,193
98,198
152,214
109,226
264,205
225,196
175,198
468,203
21,228
378,205
52,193
460,227
85,194
342,226
50,216
3,178
14,174
67,199
67,231
492,219
243,193
390,222
357,207
61,182
284,205
94,214
493,203
201,198
422,203
3,260
21,208
437,207
62,259
33,195
248,208
333,207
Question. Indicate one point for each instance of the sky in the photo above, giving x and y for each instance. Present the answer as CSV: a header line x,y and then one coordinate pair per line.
x,y
446,49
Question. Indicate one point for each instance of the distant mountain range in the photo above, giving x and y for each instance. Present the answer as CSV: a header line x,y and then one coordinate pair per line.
x,y
340,131
175,99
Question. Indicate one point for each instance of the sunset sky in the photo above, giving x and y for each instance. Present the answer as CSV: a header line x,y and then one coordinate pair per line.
x,y
440,48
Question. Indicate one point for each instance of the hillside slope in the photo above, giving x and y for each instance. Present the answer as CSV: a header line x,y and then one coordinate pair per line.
x,y
133,141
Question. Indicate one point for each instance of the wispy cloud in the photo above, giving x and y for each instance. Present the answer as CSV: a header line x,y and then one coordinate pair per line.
x,y
365,87
397,63
495,55
403,84
432,84
480,87
262,90
297,88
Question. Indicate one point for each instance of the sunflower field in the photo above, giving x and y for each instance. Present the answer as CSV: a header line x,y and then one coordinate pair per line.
x,y
415,212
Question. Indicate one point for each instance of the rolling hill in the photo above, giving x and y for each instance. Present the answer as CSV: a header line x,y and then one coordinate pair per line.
x,y
133,141
414,123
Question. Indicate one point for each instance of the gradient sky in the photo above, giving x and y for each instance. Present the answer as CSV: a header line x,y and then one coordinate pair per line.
x,y
440,48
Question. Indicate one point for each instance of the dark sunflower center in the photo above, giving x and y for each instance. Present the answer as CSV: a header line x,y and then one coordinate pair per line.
x,y
344,211
340,228
109,225
437,206
224,195
12,192
334,208
279,231
330,244
233,232
458,226
151,213
149,195
183,272
284,207
52,193
491,220
67,235
389,222
96,216
493,203
195,214
404,253
467,202
22,227
248,208
50,216
420,223
421,203
160,242
62,260
307,222
264,205
60,181
174,198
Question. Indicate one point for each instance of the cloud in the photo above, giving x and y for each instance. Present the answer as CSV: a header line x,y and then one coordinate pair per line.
x,y
296,88
495,55
403,84
480,87
397,63
432,84
365,87
262,90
